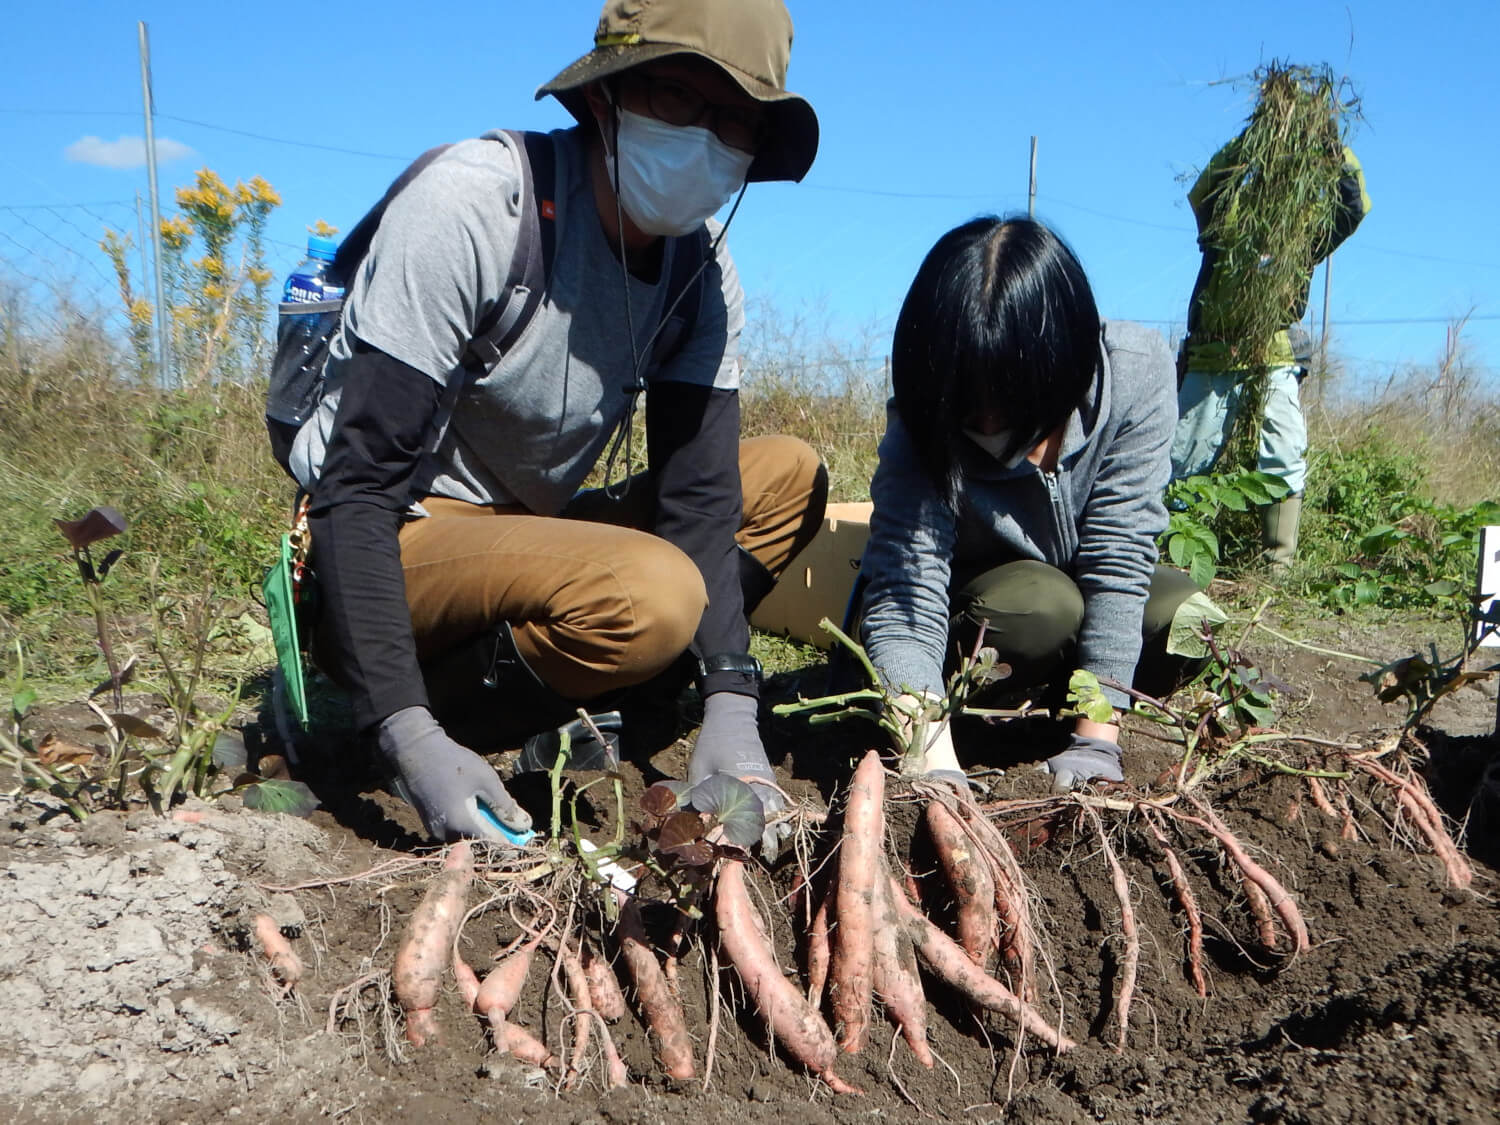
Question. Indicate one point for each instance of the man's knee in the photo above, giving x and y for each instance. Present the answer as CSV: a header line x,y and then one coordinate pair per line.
x,y
618,621
785,488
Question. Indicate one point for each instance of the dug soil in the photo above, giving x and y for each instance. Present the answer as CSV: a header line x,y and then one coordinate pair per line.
x,y
137,990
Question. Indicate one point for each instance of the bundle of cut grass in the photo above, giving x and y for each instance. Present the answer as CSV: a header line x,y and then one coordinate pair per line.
x,y
1271,201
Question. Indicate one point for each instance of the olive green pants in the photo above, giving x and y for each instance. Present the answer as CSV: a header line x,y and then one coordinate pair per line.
x,y
1032,614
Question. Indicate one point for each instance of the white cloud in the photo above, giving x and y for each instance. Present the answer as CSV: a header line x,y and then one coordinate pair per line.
x,y
127,152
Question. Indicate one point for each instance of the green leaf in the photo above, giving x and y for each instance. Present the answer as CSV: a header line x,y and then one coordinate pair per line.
x,y
1366,592
1235,500
1256,491
21,702
1349,569
1258,711
1177,549
1275,487
1088,696
1202,569
1442,588
281,796
732,804
1185,637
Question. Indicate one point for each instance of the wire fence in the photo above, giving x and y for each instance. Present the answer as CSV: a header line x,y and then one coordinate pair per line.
x,y
53,272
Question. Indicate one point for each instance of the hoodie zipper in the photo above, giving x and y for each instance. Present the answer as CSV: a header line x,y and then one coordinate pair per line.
x,y
1058,521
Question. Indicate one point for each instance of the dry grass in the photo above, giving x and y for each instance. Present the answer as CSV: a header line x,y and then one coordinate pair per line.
x,y
191,469
1444,417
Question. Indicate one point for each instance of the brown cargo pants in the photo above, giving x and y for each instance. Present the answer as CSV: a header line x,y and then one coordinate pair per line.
x,y
594,603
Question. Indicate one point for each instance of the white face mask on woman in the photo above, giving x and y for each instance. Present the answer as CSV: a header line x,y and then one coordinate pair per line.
x,y
996,444
672,177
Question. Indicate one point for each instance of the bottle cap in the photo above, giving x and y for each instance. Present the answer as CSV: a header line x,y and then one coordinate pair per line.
x,y
320,247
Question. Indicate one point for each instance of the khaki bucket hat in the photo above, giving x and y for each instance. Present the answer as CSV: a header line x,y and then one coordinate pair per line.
x,y
750,40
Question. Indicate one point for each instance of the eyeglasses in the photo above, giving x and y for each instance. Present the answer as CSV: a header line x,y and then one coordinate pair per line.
x,y
679,104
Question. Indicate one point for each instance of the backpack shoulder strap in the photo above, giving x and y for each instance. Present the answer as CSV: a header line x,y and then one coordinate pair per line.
x,y
531,262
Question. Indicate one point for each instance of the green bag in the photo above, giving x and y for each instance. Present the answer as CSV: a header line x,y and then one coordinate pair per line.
x,y
282,611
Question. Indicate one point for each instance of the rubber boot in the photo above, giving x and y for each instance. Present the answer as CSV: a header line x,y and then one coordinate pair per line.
x,y
487,697
1278,530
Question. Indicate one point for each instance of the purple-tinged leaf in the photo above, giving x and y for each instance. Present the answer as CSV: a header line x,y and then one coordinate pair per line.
x,y
97,524
696,854
680,830
127,674
659,801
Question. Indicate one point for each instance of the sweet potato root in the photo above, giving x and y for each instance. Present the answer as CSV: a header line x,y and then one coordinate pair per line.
x,y
604,986
791,1020
521,1044
662,1013
502,987
468,983
1281,902
1419,808
588,1020
1189,907
286,966
425,948
514,1041
861,861
895,976
947,959
1130,961
818,955
970,881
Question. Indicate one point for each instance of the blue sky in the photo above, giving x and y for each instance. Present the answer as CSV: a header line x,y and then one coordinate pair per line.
x,y
926,112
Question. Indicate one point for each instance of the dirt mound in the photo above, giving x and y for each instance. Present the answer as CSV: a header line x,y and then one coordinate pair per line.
x,y
137,989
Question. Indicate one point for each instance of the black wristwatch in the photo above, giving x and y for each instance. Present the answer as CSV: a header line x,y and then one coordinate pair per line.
x,y
729,671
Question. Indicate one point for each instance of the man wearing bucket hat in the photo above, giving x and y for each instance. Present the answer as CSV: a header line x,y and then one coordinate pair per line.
x,y
472,594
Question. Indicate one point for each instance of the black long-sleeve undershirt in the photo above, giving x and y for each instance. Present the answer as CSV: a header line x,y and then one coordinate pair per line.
x,y
693,441
385,417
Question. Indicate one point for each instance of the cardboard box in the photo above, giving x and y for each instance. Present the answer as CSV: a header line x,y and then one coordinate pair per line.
x,y
818,582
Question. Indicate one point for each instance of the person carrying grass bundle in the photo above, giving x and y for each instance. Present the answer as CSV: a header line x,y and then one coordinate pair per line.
x,y
471,593
1019,487
1271,204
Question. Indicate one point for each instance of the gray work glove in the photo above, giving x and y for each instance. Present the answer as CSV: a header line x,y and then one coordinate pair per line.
x,y
1085,760
729,742
446,783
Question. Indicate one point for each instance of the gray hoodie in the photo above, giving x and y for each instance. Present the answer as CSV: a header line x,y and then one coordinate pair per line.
x,y
1096,518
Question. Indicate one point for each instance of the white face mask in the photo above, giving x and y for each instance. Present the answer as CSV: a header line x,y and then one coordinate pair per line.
x,y
996,444
672,177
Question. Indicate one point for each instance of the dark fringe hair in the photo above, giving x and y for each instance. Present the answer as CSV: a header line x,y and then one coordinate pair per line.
x,y
999,319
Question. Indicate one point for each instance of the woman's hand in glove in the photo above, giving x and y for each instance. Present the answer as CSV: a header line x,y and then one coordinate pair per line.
x,y
1085,760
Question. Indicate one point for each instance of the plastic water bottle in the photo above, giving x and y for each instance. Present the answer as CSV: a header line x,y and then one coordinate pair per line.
x,y
309,281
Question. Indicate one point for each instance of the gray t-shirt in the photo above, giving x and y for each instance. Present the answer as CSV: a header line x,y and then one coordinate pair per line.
x,y
530,430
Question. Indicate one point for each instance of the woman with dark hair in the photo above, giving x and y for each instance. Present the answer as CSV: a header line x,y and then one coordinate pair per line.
x,y
1020,487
